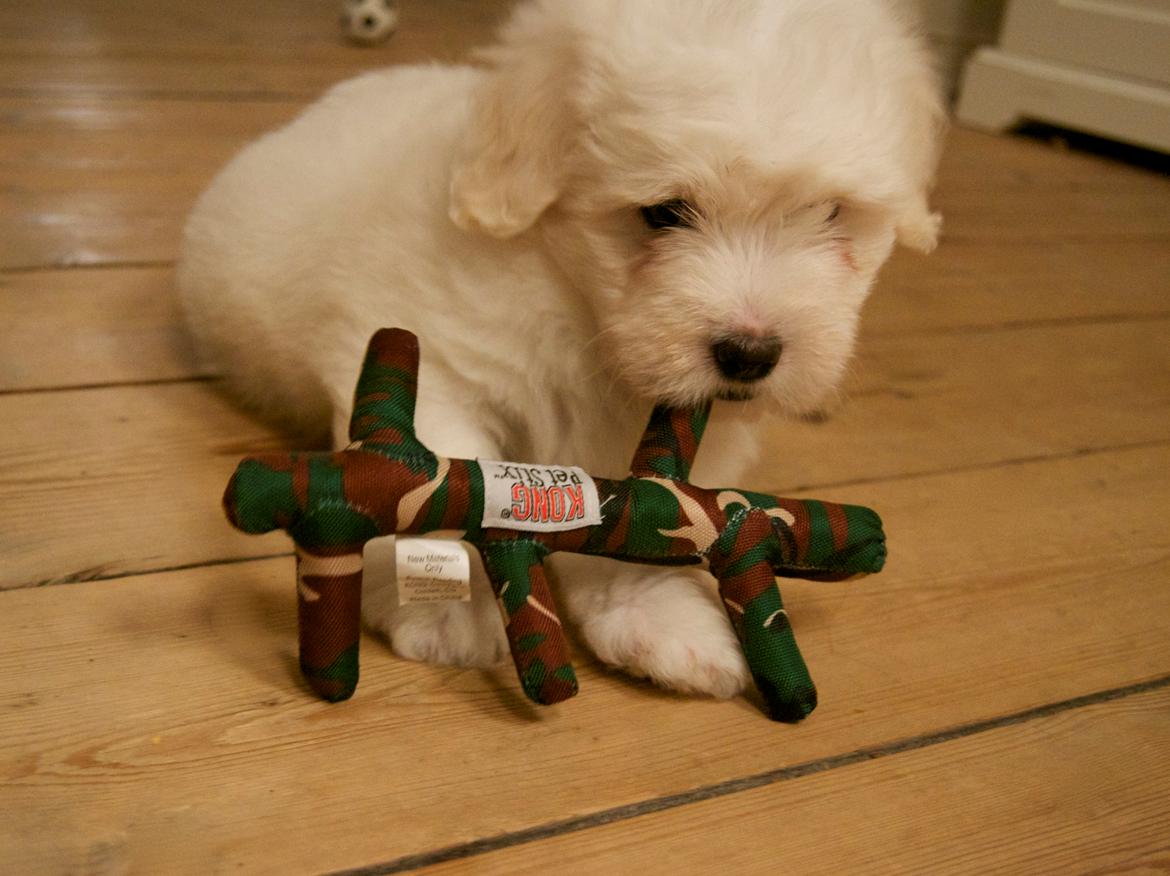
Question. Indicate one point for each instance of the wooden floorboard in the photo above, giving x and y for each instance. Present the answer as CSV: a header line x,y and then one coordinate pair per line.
x,y
162,713
101,182
108,481
999,188
68,328
199,47
1004,283
975,805
995,701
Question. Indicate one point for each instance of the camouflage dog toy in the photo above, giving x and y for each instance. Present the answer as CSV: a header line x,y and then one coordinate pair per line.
x,y
386,482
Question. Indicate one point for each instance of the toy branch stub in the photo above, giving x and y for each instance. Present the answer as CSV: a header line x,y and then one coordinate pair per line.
x,y
387,482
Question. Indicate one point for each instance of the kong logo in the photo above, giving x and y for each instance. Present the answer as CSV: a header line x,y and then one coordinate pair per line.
x,y
543,498
548,504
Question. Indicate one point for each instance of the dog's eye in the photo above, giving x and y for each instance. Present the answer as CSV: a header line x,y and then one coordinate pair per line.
x,y
675,213
834,212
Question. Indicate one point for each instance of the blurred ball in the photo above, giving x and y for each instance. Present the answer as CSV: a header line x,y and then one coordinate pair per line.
x,y
369,21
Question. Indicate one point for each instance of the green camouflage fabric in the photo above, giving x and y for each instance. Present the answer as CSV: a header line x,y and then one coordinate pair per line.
x,y
387,482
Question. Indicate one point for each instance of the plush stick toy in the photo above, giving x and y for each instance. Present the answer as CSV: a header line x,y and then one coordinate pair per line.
x,y
387,482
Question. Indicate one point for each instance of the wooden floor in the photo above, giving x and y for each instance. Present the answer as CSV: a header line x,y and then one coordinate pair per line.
x,y
997,701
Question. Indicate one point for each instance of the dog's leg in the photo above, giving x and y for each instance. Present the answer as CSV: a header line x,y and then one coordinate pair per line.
x,y
663,624
666,624
454,633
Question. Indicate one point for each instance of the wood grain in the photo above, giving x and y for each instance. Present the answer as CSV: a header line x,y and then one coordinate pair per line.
x,y
992,188
1054,796
86,328
923,403
1003,283
159,717
90,181
114,116
251,47
96,483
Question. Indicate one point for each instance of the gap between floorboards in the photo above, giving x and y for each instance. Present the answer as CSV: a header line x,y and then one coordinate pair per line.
x,y
194,95
746,783
128,264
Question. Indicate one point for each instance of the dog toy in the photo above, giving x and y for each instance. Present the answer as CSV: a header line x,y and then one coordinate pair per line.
x,y
387,482
369,21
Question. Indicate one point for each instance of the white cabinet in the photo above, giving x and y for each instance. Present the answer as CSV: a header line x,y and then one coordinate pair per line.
x,y
1100,66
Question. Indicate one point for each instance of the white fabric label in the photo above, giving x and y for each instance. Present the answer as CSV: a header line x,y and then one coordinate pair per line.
x,y
538,498
431,570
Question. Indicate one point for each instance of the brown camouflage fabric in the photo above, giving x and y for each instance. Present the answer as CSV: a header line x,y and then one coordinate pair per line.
x,y
387,482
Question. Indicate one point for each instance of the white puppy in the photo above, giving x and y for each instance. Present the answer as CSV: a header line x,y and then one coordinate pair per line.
x,y
635,201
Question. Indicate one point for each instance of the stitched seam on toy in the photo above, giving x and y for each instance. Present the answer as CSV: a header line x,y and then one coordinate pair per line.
x,y
740,517
732,521
633,494
706,554
512,545
402,457
324,505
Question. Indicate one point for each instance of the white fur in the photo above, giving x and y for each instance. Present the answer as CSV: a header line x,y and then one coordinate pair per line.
x,y
494,212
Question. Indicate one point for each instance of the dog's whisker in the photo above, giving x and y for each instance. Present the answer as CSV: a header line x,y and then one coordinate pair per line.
x,y
597,337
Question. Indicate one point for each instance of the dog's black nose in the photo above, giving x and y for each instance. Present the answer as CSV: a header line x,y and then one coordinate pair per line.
x,y
746,358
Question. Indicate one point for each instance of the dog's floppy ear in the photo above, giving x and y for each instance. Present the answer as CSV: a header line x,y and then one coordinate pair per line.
x,y
512,164
917,226
926,125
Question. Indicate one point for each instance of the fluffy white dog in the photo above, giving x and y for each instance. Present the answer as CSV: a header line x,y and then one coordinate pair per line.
x,y
635,201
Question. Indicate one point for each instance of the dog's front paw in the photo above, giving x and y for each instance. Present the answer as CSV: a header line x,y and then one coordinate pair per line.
x,y
450,633
669,627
